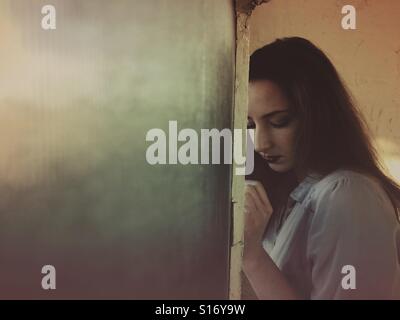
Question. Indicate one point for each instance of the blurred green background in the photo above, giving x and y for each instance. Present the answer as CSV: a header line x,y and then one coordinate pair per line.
x,y
76,191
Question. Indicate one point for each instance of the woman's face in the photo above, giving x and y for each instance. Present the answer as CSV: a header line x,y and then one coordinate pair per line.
x,y
275,126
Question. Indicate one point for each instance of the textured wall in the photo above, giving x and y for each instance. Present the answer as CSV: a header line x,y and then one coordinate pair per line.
x,y
75,106
368,58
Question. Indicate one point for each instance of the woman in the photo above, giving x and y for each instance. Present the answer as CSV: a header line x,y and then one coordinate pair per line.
x,y
336,235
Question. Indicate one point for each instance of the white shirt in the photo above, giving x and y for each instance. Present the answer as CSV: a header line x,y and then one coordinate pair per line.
x,y
343,219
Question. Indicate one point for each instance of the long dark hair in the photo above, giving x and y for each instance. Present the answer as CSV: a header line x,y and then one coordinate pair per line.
x,y
332,133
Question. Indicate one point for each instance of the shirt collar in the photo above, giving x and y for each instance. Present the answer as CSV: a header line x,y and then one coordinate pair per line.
x,y
299,193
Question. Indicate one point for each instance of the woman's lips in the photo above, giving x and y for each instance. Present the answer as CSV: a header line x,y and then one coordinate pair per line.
x,y
271,159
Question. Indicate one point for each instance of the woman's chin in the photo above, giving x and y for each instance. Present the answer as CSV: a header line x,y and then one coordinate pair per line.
x,y
279,167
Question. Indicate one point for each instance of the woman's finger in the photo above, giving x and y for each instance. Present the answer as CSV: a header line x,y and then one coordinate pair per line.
x,y
263,196
249,204
257,201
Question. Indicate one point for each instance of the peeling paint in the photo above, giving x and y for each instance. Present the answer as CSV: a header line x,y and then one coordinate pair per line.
x,y
244,9
247,6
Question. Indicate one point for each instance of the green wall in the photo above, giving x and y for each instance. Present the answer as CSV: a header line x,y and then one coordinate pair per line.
x,y
76,191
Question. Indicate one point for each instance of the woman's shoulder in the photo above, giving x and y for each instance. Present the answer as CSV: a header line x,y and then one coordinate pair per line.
x,y
351,204
350,189
345,180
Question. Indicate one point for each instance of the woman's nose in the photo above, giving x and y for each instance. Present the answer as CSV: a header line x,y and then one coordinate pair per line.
x,y
263,141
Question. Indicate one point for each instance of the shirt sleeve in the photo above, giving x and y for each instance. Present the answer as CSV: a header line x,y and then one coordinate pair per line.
x,y
353,242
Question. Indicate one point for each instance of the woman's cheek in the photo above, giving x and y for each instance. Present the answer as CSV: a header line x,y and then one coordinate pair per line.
x,y
287,135
288,138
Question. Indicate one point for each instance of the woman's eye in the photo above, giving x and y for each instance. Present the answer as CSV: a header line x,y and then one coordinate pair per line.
x,y
281,123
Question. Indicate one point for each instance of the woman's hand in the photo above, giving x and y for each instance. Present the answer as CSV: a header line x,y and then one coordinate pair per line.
x,y
257,211
264,276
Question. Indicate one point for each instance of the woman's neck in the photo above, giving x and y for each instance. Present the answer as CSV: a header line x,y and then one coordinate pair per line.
x,y
300,174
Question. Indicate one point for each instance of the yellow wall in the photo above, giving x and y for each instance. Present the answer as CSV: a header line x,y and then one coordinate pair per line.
x,y
368,58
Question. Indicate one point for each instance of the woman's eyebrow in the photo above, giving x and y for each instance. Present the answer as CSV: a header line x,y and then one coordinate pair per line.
x,y
271,114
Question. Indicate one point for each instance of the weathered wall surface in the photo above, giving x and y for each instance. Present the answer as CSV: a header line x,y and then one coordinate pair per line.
x,y
76,191
368,58
244,9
